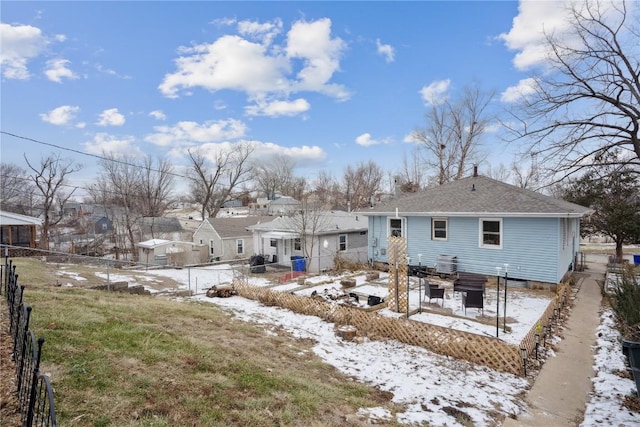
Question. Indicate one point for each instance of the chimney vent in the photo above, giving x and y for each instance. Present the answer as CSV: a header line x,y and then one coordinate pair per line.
x,y
475,171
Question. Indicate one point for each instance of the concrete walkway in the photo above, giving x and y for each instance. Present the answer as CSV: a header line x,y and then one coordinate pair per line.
x,y
560,393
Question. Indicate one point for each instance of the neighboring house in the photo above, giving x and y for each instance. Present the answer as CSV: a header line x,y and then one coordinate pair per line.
x,y
260,206
284,205
233,203
18,230
168,252
485,224
161,228
228,238
327,234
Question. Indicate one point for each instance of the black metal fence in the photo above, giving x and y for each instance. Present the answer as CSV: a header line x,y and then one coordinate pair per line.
x,y
34,392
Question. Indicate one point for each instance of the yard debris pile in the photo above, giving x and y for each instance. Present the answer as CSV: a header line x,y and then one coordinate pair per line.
x,y
221,291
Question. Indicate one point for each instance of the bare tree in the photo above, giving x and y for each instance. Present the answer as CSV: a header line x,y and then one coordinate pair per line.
x,y
120,184
49,178
412,173
214,179
16,190
587,104
451,139
327,189
362,183
275,176
307,223
528,176
156,185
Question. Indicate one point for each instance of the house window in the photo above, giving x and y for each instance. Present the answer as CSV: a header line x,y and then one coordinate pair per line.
x,y
439,228
297,244
273,243
342,242
210,247
491,233
240,246
104,226
395,227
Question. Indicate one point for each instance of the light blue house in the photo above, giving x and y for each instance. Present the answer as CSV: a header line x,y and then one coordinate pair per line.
x,y
484,224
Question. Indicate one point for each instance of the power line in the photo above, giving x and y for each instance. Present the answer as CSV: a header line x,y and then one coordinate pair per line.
x,y
25,138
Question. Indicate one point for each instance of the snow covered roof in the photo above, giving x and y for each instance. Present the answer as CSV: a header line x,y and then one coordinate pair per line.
x,y
10,218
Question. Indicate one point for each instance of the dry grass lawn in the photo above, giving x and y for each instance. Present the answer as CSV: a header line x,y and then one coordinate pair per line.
x,y
128,360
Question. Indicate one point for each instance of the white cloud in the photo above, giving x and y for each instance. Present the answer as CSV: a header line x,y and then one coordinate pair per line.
x,y
158,115
523,89
537,18
105,143
436,92
303,156
56,70
305,61
386,50
111,117
231,62
365,140
312,42
263,32
188,133
19,44
278,108
61,116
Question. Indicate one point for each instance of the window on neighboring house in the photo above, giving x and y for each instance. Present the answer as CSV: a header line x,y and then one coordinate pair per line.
x,y
395,227
240,246
297,244
439,228
342,242
273,243
104,226
491,233
210,247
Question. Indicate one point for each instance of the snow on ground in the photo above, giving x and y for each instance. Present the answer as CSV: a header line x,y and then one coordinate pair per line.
x,y
423,382
604,407
432,388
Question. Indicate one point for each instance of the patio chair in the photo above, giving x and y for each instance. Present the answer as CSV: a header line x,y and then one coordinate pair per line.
x,y
473,299
433,291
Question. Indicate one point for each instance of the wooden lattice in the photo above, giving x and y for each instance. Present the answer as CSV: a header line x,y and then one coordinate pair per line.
x,y
477,349
398,279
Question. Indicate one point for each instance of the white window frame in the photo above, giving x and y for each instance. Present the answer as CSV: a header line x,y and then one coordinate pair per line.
x,y
297,244
211,247
446,229
402,225
273,243
240,246
481,233
345,243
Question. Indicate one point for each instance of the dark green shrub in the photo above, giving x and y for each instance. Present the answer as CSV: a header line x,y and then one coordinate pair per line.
x,y
626,303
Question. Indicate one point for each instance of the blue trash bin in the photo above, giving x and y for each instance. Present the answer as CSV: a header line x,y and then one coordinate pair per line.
x,y
297,263
636,259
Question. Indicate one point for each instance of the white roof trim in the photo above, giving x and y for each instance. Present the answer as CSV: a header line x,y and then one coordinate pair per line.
x,y
280,235
480,214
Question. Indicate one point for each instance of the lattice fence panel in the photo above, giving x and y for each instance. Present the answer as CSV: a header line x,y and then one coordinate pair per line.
x,y
474,348
398,279
546,319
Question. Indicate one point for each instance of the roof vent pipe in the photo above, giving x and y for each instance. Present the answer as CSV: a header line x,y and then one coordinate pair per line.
x,y
475,171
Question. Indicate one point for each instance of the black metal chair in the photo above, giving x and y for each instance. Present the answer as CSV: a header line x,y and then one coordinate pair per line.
x,y
433,291
473,299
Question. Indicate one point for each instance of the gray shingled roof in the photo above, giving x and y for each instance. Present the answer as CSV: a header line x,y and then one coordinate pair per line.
x,y
478,195
236,226
328,222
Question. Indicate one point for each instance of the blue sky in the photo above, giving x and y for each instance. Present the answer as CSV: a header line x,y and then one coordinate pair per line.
x,y
327,83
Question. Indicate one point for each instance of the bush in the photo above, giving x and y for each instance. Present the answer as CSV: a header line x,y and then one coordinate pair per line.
x,y
626,303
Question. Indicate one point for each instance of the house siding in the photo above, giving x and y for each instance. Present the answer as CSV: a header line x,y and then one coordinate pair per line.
x,y
529,246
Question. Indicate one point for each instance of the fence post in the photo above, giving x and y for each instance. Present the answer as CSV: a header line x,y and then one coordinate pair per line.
x,y
23,349
34,384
